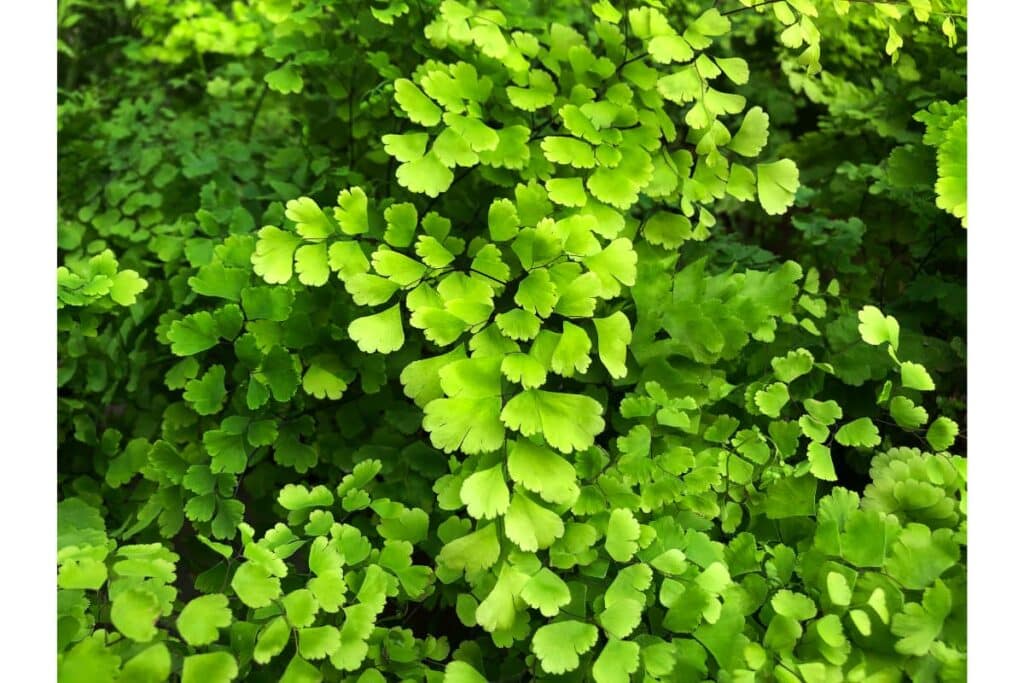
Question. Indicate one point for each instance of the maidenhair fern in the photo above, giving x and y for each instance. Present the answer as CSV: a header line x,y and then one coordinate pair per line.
x,y
475,398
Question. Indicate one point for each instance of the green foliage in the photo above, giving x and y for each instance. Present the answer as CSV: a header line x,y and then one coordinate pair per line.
x,y
947,132
465,341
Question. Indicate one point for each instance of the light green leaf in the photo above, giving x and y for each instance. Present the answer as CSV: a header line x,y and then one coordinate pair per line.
x,y
566,191
460,672
351,212
319,642
524,369
152,665
752,136
825,412
568,151
838,589
559,645
668,48
406,147
876,328
432,252
605,11
777,184
453,149
310,220
417,106
568,421
89,661
531,526
401,222
200,619
82,574
544,472
469,420
485,493
918,625
301,671
546,592
537,293
906,413
480,136
622,535
615,265
914,376
668,230
497,612
285,79
613,338
942,433
300,608
471,425
324,378
791,497
211,667
397,267
861,433
311,264
572,352
617,662
357,627
207,394
820,457
193,334
735,69
472,552
215,280
951,186
741,183
518,324
379,333
772,399
134,613
267,303
279,370
426,175
421,379
794,605
538,94
126,286
921,555
299,497
347,259
502,220
255,586
272,259
671,562
272,640
620,186
793,365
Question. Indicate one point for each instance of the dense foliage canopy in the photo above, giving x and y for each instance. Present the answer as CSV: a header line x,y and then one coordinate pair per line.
x,y
495,340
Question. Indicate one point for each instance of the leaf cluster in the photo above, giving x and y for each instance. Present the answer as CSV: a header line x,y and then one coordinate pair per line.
x,y
461,341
